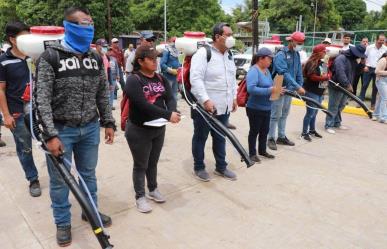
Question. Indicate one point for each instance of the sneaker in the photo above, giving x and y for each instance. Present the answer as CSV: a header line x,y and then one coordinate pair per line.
x,y
285,141
374,118
106,220
63,235
228,174
2,143
35,190
306,137
156,196
202,175
267,155
343,128
330,130
143,205
271,144
231,126
255,159
315,134
382,121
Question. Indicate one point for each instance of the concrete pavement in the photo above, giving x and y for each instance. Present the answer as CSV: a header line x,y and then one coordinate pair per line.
x,y
330,193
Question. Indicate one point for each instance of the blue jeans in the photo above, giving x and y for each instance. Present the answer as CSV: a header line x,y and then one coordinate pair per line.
x,y
201,131
112,89
23,142
381,102
336,104
83,143
279,113
173,83
311,114
367,77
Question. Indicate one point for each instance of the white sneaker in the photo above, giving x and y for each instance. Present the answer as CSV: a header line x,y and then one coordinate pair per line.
x,y
374,118
330,131
143,205
343,128
156,196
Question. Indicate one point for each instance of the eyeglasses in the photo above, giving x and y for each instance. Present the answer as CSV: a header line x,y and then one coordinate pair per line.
x,y
150,40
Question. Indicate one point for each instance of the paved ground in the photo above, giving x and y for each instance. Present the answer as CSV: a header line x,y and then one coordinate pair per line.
x,y
330,193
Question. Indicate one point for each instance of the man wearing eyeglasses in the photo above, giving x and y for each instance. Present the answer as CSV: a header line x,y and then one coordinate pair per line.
x,y
72,102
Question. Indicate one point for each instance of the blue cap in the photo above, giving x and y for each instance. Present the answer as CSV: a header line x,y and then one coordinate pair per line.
x,y
147,35
264,52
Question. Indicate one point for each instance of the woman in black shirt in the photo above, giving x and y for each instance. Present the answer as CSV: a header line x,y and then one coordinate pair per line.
x,y
151,106
315,83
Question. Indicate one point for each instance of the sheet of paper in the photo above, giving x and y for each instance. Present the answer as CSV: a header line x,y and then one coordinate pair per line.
x,y
157,122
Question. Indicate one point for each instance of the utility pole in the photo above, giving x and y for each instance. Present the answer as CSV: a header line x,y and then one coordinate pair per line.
x,y
109,19
315,20
255,24
165,21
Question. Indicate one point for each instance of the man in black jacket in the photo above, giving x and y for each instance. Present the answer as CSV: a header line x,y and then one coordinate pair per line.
x,y
343,72
71,96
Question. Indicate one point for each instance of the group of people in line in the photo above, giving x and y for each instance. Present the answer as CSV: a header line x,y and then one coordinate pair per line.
x,y
71,114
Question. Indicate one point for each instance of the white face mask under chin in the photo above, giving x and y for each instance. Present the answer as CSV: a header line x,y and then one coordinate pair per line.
x,y
298,48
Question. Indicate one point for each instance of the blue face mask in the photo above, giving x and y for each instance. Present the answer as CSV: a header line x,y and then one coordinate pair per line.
x,y
78,37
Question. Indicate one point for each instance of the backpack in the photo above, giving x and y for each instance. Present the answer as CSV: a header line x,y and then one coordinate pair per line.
x,y
242,94
185,71
125,103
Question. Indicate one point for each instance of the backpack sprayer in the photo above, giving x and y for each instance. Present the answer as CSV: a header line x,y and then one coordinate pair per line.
x,y
188,45
33,45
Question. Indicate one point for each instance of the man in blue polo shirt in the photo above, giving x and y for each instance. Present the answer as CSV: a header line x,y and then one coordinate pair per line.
x,y
14,76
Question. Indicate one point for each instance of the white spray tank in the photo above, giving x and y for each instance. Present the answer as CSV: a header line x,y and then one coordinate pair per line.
x,y
190,42
34,44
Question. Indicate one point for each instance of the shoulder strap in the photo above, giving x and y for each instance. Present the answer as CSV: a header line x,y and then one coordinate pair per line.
x,y
209,53
53,59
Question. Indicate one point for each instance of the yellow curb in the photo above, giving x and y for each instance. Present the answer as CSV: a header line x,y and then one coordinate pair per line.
x,y
347,109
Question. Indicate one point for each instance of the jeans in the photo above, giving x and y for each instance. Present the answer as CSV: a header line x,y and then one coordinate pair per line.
x,y
381,103
259,125
23,142
311,114
201,131
279,113
122,80
358,76
145,145
83,142
173,83
336,104
112,88
367,77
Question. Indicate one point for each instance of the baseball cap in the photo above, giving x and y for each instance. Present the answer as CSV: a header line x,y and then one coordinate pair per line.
x,y
147,35
296,36
319,48
328,40
114,40
101,42
262,52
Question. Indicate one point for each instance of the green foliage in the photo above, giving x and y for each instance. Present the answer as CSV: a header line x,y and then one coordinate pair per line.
x,y
352,13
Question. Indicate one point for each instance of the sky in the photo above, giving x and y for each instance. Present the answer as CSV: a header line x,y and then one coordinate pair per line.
x,y
371,4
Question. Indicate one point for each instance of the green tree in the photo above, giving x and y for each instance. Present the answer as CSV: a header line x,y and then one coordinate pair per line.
x,y
382,23
352,13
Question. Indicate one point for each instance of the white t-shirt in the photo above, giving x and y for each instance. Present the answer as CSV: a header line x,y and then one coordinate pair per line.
x,y
374,54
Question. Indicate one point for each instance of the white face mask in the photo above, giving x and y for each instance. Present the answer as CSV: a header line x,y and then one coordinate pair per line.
x,y
104,50
358,60
298,48
230,42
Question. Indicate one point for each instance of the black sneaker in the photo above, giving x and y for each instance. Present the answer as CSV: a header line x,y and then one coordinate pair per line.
x,y
63,235
106,220
267,155
285,141
35,190
306,137
255,158
315,134
2,143
271,144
